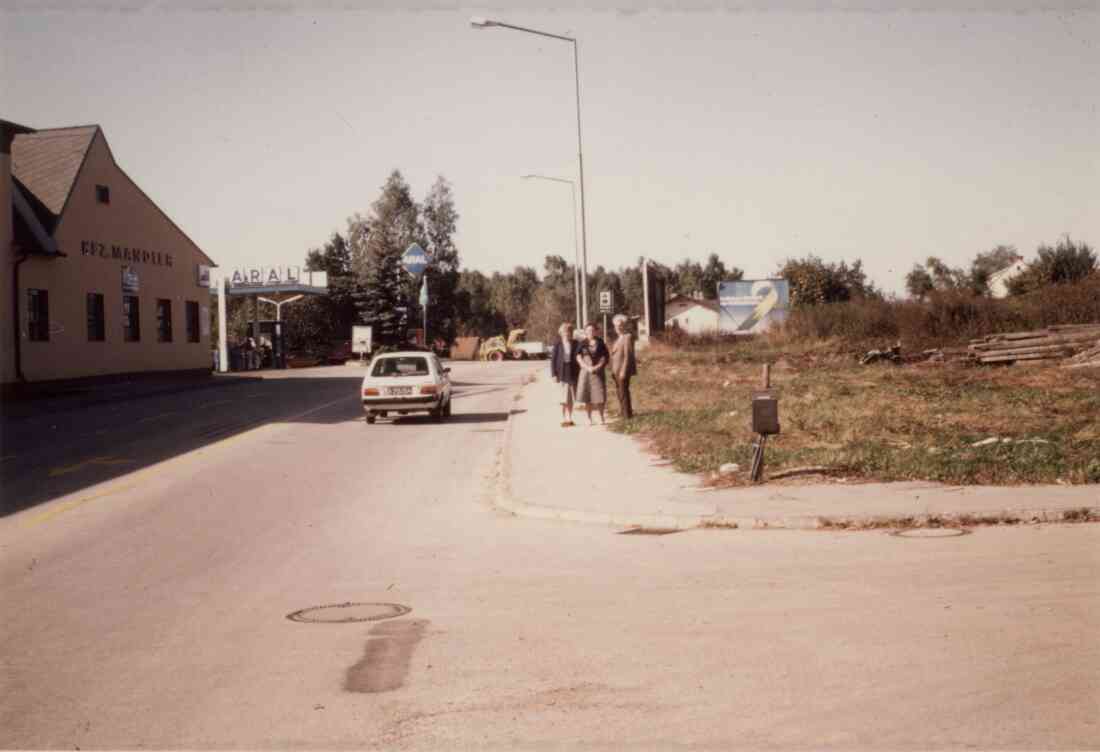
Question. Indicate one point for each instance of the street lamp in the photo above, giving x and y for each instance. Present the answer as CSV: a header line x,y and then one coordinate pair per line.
x,y
576,255
484,23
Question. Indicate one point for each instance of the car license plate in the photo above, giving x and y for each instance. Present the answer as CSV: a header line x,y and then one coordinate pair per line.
x,y
395,390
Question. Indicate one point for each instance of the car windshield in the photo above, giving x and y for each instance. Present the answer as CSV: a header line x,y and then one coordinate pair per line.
x,y
412,365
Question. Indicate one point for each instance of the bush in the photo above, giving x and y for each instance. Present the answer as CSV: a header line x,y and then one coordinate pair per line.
x,y
1065,263
946,318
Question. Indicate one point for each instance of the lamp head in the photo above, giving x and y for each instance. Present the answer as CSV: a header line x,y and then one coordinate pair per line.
x,y
480,23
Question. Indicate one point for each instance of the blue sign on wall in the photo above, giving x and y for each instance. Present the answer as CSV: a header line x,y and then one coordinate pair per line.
x,y
749,306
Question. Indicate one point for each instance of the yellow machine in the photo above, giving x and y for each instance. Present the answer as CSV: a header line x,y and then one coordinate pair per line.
x,y
497,349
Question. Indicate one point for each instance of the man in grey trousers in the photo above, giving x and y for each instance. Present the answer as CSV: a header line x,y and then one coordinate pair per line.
x,y
623,364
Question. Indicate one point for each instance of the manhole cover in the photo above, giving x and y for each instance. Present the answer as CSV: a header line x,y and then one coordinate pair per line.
x,y
931,532
343,613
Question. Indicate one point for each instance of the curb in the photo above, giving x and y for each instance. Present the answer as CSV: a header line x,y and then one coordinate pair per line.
x,y
925,519
504,499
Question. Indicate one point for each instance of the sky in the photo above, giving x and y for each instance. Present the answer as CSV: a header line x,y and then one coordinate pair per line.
x,y
886,132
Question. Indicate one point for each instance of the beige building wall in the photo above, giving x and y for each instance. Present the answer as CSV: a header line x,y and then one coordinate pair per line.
x,y
7,271
98,240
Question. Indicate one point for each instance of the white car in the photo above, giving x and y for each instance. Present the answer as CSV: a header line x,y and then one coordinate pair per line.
x,y
406,382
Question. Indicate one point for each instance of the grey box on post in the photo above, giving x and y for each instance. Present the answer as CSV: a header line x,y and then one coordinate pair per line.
x,y
765,414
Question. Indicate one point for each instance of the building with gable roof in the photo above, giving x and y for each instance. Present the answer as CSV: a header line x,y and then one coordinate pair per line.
x,y
97,279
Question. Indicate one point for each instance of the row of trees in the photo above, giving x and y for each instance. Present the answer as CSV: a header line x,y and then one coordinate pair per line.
x,y
814,281
367,283
1061,263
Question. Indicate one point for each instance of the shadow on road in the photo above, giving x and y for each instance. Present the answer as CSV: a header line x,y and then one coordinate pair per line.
x,y
69,442
457,417
66,449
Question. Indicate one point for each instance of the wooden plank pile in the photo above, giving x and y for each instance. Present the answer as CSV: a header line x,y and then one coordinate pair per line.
x,y
1041,344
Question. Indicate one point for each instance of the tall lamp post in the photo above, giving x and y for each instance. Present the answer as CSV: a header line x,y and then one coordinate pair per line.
x,y
576,253
484,23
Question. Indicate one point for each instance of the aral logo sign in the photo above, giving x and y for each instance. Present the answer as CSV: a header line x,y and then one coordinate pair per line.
x,y
266,276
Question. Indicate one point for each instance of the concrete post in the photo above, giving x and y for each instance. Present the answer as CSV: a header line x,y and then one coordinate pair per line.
x,y
223,337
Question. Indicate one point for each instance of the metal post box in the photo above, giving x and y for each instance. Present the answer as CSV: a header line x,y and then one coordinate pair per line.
x,y
765,414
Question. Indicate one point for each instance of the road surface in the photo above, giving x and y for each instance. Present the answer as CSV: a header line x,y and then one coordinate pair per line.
x,y
150,609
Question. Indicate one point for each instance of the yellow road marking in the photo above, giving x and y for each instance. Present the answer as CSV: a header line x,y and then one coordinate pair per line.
x,y
109,460
66,506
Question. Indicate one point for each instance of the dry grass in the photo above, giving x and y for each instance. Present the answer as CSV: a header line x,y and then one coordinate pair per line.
x,y
879,422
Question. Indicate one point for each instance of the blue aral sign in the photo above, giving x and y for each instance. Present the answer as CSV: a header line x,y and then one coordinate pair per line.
x,y
415,259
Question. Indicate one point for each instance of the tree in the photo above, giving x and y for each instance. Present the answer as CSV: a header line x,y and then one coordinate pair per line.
x,y
315,322
1065,262
715,272
919,283
812,281
987,263
513,293
476,314
440,222
377,244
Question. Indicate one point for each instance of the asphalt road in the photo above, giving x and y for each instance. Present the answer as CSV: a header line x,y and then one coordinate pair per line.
x,y
150,609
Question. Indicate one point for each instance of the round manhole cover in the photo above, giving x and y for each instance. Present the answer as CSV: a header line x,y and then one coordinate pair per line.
x,y
343,613
931,532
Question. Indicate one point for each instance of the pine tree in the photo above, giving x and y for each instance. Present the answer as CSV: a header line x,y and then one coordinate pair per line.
x,y
440,221
377,244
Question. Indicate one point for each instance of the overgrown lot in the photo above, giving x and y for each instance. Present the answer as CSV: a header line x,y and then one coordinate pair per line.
x,y
879,422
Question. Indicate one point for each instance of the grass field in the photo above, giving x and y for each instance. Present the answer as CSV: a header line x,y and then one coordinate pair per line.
x,y
878,422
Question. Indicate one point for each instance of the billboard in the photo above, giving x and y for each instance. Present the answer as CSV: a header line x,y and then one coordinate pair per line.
x,y
750,306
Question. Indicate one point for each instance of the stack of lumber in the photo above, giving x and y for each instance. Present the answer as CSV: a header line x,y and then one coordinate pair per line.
x,y
1041,344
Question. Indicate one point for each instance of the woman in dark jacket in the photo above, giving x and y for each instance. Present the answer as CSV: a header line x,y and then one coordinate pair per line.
x,y
591,385
564,368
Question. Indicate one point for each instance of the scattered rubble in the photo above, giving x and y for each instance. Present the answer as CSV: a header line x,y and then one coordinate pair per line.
x,y
893,355
998,440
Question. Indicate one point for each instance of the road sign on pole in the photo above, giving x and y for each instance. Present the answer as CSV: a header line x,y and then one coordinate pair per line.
x,y
415,259
606,301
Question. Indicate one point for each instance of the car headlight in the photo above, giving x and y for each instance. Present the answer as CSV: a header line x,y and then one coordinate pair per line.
x,y
370,392
429,389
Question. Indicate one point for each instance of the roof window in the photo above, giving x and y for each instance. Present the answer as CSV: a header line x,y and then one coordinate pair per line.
x,y
103,194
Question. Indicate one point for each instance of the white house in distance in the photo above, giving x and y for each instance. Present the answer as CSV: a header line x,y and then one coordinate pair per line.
x,y
691,315
998,280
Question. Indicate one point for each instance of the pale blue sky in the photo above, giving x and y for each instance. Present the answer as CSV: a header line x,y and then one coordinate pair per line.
x,y
875,132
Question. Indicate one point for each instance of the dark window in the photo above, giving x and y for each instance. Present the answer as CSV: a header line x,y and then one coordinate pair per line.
x,y
97,329
192,321
164,320
38,315
103,194
131,318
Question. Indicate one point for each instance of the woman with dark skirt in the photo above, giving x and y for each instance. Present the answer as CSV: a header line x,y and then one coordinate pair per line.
x,y
565,369
591,385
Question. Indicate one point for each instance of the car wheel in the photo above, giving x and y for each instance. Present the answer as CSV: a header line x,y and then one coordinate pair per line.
x,y
437,414
447,409
370,419
496,356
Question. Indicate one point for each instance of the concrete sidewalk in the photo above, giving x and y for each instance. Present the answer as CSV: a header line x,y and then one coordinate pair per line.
x,y
591,474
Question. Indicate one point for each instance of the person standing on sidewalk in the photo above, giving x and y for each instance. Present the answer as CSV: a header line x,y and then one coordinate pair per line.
x,y
565,369
591,384
623,364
